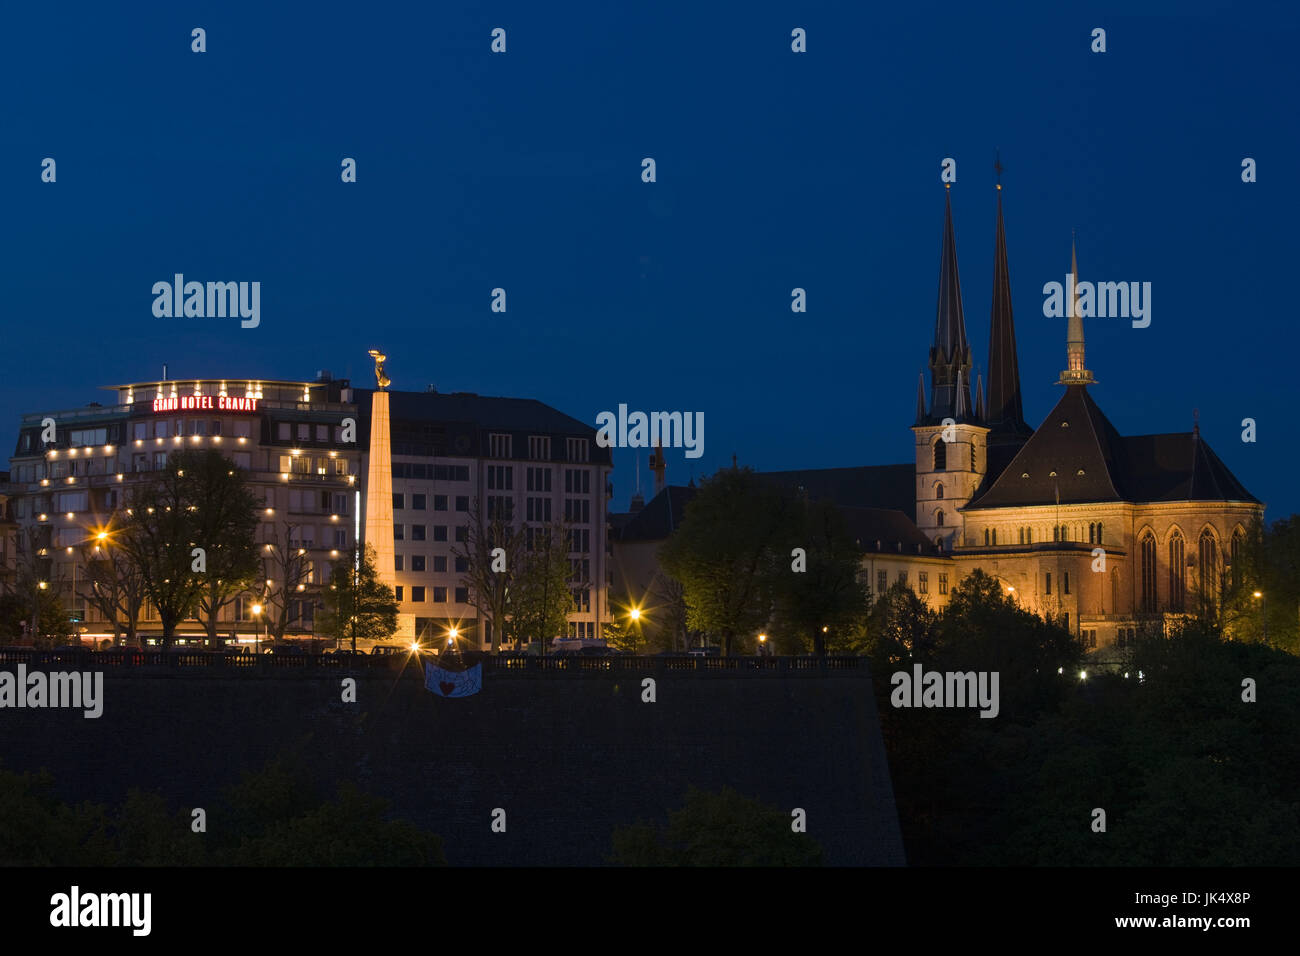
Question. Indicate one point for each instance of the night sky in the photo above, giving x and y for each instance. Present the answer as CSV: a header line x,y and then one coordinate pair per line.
x,y
775,170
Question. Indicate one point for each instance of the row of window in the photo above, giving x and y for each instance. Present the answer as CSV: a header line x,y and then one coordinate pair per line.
x,y
421,502
1206,564
922,581
460,595
419,532
539,447
427,472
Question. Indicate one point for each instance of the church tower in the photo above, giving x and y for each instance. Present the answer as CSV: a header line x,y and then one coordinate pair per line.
x,y
1005,416
951,439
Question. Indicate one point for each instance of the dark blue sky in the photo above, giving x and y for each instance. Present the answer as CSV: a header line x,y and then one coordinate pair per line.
x,y
775,170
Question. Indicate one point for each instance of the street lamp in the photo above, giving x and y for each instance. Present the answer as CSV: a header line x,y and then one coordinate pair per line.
x,y
762,645
634,615
257,632
1263,610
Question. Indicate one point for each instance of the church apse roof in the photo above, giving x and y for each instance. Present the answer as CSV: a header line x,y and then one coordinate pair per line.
x,y
1079,452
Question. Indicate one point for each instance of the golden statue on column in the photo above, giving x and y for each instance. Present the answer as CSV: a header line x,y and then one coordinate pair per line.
x,y
380,358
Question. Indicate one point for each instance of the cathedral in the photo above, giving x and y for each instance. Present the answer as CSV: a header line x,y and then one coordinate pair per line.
x,y
1107,534
1103,532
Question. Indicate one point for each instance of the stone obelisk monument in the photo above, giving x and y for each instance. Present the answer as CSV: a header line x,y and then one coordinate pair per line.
x,y
379,491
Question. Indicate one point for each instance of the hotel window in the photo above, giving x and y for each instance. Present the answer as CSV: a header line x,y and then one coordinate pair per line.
x,y
417,563
397,562
1177,572
159,460
417,594
301,465
539,479
341,503
577,481
397,592
418,502
399,502
462,503
882,582
417,532
322,433
923,581
304,432
577,449
462,595
439,595
139,462
399,532
440,532
943,582
539,448
499,446
140,431
160,429
440,563
1049,582
242,429
340,466
283,432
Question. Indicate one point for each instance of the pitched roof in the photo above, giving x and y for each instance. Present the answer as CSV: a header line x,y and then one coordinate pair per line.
x,y
886,530
876,486
659,518
1078,451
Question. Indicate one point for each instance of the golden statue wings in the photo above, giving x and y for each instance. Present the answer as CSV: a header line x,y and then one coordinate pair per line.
x,y
380,358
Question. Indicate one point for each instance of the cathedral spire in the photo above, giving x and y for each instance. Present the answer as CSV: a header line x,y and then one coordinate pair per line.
x,y
950,353
1004,415
1076,373
920,398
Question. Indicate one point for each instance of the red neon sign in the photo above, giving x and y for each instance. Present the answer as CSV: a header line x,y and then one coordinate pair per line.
x,y
209,403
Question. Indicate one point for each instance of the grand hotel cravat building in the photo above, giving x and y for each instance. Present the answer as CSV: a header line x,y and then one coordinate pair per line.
x,y
445,451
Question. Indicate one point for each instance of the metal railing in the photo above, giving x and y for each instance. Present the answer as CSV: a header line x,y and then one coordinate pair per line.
x,y
201,662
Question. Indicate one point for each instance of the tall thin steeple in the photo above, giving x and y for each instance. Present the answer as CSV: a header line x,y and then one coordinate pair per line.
x,y
1076,373
1004,414
950,353
920,398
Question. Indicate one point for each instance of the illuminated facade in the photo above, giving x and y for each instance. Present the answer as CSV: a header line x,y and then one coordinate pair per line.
x,y
306,448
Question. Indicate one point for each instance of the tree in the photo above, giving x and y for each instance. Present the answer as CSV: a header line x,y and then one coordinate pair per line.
x,y
224,513
113,585
542,599
357,603
287,566
490,577
726,554
160,535
826,597
39,613
717,829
